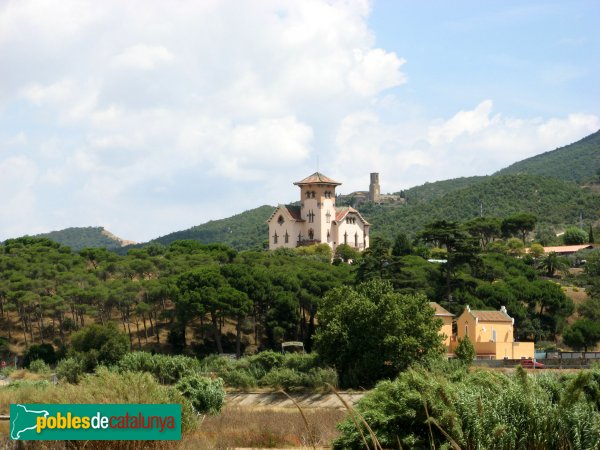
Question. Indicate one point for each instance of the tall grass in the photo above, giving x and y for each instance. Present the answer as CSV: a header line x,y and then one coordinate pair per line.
x,y
480,410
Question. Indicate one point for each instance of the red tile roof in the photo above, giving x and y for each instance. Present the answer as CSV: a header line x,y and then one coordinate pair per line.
x,y
491,316
289,211
343,211
317,178
294,211
567,248
439,310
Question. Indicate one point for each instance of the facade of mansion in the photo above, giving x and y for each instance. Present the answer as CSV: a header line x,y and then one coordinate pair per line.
x,y
317,219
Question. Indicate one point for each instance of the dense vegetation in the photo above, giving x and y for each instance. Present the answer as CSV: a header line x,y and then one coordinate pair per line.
x,y
578,162
81,237
430,191
556,204
453,408
244,231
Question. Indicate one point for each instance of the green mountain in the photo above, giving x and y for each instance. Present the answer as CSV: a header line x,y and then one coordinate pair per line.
x,y
82,237
242,231
579,162
554,202
429,191
545,185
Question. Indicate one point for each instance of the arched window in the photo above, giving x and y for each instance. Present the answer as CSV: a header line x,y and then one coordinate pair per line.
x,y
311,234
356,239
311,216
307,194
280,220
346,238
286,237
328,217
299,237
275,238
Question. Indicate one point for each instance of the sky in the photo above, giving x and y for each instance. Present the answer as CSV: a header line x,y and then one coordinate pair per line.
x,y
148,117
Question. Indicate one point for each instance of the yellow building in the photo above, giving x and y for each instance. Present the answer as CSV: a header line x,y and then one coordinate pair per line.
x,y
446,318
317,219
492,334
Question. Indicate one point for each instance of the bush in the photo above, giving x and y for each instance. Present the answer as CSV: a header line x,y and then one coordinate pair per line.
x,y
70,370
166,368
100,344
574,236
301,362
319,378
39,366
283,378
483,409
44,352
206,395
266,360
239,378
465,351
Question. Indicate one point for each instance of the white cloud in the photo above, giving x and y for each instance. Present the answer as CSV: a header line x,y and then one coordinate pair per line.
x,y
143,57
149,116
463,122
471,142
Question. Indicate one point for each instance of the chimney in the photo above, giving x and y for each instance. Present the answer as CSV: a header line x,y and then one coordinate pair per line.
x,y
503,309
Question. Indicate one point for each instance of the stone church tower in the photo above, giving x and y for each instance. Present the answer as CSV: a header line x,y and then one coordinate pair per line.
x,y
374,192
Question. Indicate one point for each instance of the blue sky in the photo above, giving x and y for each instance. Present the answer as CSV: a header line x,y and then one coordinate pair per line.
x,y
148,117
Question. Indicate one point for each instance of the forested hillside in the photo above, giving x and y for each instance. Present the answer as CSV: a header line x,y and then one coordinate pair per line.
x,y
242,231
82,237
429,191
579,162
554,202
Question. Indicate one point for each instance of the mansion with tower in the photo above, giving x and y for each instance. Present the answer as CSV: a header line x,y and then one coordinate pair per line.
x,y
317,219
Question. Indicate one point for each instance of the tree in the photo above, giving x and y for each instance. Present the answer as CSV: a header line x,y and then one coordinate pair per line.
x,y
574,236
552,263
582,334
401,246
100,344
371,332
515,247
461,247
591,235
536,250
465,351
346,253
486,229
199,293
518,224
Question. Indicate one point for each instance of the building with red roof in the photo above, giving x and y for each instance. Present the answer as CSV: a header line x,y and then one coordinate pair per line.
x,y
317,219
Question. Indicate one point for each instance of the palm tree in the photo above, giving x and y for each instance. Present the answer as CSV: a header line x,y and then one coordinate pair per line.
x,y
552,263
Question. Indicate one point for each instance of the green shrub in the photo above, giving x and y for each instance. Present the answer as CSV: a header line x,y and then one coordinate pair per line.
x,y
319,378
301,362
70,370
239,378
482,409
100,344
284,378
26,384
45,352
266,360
39,366
206,395
465,351
168,369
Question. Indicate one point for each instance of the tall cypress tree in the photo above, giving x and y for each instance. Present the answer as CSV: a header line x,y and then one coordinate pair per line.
x,y
591,235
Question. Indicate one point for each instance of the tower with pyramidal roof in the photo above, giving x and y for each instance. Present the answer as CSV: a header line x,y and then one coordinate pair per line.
x,y
317,219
